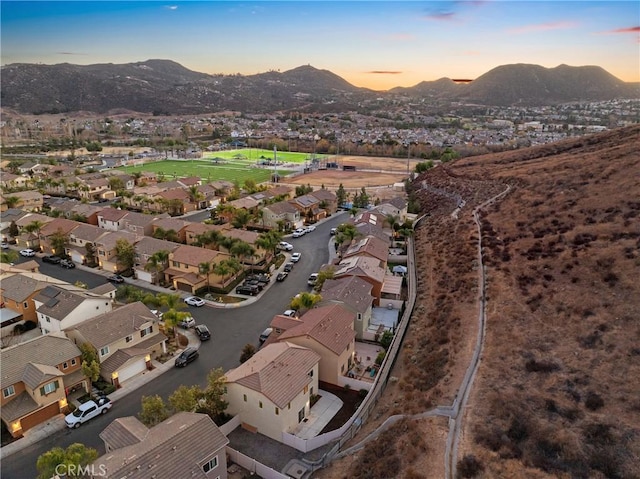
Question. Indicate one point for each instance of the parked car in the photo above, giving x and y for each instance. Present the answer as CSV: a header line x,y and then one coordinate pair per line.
x,y
333,231
290,313
49,258
157,313
313,279
29,252
260,278
295,257
4,245
194,301
265,335
67,263
203,332
310,228
254,282
116,278
282,275
248,290
297,233
187,356
288,267
283,245
88,410
187,322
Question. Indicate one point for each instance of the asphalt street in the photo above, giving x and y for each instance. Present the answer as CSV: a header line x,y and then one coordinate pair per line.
x,y
231,330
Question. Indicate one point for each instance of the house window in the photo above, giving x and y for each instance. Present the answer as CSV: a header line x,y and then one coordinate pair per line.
x,y
277,412
104,351
175,264
306,388
359,316
25,305
8,392
289,406
65,365
342,368
128,339
47,319
311,373
49,388
212,464
45,331
73,361
146,331
244,396
260,404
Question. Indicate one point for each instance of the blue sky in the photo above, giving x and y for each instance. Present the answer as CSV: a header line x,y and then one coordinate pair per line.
x,y
376,44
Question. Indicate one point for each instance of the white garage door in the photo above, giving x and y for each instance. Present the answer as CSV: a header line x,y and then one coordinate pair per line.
x,y
130,370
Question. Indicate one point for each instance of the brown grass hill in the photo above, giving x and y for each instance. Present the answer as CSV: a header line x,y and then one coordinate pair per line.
x,y
556,393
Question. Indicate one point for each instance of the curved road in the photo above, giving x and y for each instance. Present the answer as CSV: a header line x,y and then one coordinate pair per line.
x,y
231,329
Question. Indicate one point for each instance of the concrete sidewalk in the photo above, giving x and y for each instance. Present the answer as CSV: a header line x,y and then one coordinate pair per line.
x,y
57,423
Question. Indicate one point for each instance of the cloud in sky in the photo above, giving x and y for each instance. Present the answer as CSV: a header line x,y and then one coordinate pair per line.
x,y
384,72
625,30
542,27
447,10
70,53
171,7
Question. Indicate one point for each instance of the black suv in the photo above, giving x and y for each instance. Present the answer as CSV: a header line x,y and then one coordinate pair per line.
x,y
249,290
49,258
203,332
188,355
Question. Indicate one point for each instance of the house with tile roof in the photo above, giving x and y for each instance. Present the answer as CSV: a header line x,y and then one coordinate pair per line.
x,y
329,331
271,392
281,213
368,229
106,249
79,238
371,270
328,200
7,218
309,207
145,249
184,268
17,292
59,307
27,200
59,226
353,293
193,230
139,223
395,207
167,224
172,449
36,377
368,246
126,339
112,219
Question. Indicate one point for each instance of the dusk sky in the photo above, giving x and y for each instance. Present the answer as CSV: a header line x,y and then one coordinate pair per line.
x,y
374,44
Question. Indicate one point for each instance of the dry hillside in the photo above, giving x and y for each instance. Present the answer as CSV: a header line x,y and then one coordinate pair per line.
x,y
558,389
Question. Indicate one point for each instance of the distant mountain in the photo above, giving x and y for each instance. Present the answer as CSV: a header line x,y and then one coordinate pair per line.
x,y
166,87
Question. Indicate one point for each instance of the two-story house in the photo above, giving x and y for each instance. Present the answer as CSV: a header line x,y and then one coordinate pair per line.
x,y
30,239
160,226
112,219
371,270
126,340
186,445
17,292
145,249
354,293
27,200
309,208
9,216
139,223
79,238
329,331
271,392
328,200
61,307
184,268
59,227
36,377
396,207
281,215
106,249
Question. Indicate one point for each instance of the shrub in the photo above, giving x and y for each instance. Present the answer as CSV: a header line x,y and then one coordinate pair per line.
x,y
469,466
593,401
533,366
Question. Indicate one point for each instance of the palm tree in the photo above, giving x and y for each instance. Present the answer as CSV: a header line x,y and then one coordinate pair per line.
x,y
194,194
8,257
157,262
394,222
243,250
171,319
209,237
205,269
171,301
269,241
305,301
227,267
241,219
11,201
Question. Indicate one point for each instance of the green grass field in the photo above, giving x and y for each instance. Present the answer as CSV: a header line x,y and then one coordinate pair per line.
x,y
254,154
229,169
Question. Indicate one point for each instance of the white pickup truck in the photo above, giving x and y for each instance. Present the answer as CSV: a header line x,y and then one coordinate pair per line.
x,y
88,410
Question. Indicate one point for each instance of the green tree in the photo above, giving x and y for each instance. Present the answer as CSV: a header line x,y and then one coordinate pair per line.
x,y
323,275
185,398
194,194
125,255
90,362
9,256
247,352
13,229
59,241
305,301
250,185
11,201
34,227
157,262
204,269
58,461
241,219
341,195
269,241
212,401
116,184
243,251
154,411
424,166
385,339
227,267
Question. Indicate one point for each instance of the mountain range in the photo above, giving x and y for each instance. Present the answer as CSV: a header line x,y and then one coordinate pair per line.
x,y
166,87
